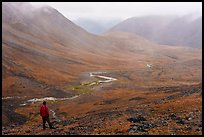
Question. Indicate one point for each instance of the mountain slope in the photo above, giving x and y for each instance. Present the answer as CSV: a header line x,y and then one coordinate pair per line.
x,y
170,30
41,39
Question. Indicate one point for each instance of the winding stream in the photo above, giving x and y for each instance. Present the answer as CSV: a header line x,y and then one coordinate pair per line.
x,y
92,74
49,98
108,79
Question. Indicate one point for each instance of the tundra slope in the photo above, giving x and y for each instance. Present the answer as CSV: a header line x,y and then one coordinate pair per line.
x,y
45,54
171,30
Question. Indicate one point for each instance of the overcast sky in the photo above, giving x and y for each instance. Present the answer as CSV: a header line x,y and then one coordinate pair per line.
x,y
123,10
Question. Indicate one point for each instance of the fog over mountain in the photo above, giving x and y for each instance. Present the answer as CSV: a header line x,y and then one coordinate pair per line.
x,y
173,23
96,26
172,30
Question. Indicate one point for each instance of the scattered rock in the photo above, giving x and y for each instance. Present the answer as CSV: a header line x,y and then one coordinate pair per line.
x,y
169,109
172,116
142,127
136,98
137,128
180,122
28,131
189,128
136,119
200,125
148,125
13,125
198,129
5,133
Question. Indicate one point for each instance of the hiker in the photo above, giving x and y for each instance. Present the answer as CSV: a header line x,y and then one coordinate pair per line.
x,y
44,112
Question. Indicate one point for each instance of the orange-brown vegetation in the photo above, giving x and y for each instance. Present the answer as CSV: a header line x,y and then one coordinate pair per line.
x,y
52,56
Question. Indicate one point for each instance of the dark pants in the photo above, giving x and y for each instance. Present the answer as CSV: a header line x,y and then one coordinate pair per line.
x,y
46,118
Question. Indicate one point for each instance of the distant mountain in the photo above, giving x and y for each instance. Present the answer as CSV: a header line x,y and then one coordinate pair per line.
x,y
96,26
171,30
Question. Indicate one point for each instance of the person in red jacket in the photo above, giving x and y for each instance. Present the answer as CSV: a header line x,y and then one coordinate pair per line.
x,y
44,112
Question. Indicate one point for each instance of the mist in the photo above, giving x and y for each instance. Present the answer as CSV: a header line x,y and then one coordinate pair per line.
x,y
123,10
98,17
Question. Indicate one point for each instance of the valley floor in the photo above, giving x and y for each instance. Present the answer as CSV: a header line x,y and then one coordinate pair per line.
x,y
116,107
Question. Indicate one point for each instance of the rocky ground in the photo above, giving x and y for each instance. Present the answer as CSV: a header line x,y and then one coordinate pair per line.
x,y
177,112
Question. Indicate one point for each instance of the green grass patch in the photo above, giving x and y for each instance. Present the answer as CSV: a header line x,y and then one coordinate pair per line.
x,y
87,92
89,83
80,89
85,83
84,87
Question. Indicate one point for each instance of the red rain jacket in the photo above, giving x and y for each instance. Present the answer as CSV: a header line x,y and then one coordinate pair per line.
x,y
44,111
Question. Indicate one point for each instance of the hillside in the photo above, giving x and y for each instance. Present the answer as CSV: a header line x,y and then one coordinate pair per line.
x,y
168,30
93,84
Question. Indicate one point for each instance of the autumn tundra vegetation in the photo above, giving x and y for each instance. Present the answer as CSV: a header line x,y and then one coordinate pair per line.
x,y
115,83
